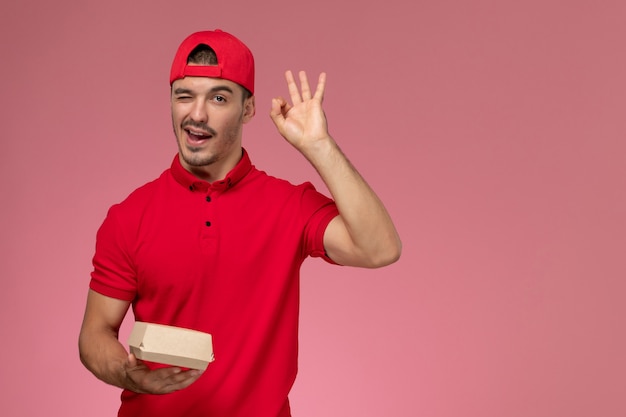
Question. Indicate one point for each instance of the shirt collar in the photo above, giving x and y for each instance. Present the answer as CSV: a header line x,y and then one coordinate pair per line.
x,y
190,181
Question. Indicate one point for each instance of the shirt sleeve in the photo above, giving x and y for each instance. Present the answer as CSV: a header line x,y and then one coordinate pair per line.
x,y
321,210
114,274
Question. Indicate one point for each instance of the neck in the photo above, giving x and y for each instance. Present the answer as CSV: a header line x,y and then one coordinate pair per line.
x,y
214,169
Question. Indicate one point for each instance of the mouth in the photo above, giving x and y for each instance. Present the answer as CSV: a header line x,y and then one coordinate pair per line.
x,y
197,137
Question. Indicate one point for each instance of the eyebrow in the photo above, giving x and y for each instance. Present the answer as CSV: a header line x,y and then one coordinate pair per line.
x,y
215,89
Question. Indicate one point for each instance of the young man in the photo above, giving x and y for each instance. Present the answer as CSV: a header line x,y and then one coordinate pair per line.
x,y
216,245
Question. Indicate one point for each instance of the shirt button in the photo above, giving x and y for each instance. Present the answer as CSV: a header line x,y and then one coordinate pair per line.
x,y
208,198
208,223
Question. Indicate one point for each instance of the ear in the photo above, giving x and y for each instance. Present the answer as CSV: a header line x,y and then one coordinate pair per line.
x,y
249,109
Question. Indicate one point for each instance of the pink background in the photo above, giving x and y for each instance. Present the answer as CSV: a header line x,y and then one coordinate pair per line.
x,y
493,130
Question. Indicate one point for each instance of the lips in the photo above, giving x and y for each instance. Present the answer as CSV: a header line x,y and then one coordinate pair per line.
x,y
196,136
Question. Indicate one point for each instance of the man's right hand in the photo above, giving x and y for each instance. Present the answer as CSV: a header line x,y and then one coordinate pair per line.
x,y
141,379
102,353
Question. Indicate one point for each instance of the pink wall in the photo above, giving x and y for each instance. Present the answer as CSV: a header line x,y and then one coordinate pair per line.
x,y
493,130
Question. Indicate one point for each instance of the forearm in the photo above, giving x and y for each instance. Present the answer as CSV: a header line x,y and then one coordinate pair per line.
x,y
103,354
363,233
374,239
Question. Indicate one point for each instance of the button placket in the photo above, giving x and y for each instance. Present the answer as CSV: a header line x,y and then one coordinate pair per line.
x,y
208,199
209,232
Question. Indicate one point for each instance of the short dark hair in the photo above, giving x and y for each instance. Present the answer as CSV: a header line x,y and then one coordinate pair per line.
x,y
205,55
202,55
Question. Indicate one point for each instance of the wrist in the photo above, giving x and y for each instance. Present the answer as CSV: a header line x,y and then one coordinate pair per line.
x,y
318,149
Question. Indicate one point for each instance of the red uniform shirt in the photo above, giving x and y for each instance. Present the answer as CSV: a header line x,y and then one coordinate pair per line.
x,y
223,258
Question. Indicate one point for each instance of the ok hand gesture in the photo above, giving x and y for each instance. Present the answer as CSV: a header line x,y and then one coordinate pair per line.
x,y
302,123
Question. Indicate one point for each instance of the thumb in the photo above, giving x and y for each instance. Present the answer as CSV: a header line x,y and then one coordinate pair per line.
x,y
131,361
278,110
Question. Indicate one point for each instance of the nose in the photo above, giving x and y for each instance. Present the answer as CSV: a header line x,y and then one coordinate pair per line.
x,y
199,111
